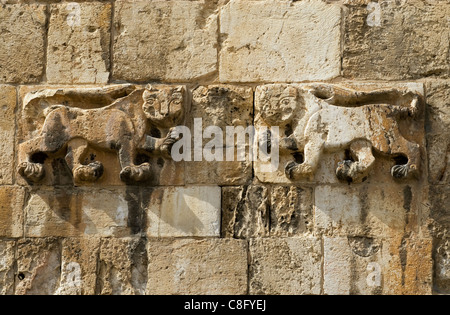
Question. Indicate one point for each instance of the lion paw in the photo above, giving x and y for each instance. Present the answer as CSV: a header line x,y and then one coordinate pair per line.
x,y
136,173
400,171
295,171
88,173
31,171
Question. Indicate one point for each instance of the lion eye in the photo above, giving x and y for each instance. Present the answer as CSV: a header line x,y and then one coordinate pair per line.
x,y
285,101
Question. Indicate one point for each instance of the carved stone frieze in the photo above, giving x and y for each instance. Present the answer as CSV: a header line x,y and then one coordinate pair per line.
x,y
135,123
362,123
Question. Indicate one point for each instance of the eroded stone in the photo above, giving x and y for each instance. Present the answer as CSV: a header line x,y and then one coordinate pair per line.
x,y
218,112
7,259
38,266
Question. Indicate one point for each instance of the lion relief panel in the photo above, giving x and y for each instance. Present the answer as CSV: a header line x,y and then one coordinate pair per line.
x,y
332,134
110,135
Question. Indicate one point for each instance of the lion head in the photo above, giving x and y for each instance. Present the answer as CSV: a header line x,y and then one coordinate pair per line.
x,y
165,105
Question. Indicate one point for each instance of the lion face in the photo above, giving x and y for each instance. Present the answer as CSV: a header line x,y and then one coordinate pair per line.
x,y
278,104
164,105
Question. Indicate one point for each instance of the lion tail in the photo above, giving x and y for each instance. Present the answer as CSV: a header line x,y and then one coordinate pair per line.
x,y
413,110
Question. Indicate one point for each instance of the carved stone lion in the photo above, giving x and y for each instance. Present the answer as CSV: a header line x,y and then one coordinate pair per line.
x,y
326,118
122,126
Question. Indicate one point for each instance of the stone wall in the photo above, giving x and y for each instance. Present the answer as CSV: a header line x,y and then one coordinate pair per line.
x,y
159,226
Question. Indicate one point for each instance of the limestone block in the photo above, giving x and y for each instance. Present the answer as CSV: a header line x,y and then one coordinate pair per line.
x,y
327,133
38,266
368,210
12,200
62,212
441,256
108,136
361,265
122,267
289,266
22,51
392,40
79,266
164,40
267,41
218,112
7,259
438,124
183,211
207,266
7,132
245,211
79,43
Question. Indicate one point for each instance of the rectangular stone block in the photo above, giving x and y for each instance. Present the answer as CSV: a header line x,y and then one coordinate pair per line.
x,y
61,212
122,267
7,260
392,40
174,40
7,133
198,267
360,265
286,266
258,42
38,266
245,212
79,266
439,204
78,43
183,211
12,201
220,121
368,210
437,125
22,51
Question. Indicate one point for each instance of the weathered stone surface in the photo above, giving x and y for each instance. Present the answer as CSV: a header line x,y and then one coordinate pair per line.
x,y
7,132
208,266
266,41
360,265
7,255
61,212
22,52
439,201
395,40
291,211
183,211
245,211
79,43
223,110
368,210
122,267
12,200
438,124
285,266
101,135
174,40
441,257
79,266
38,266
361,121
